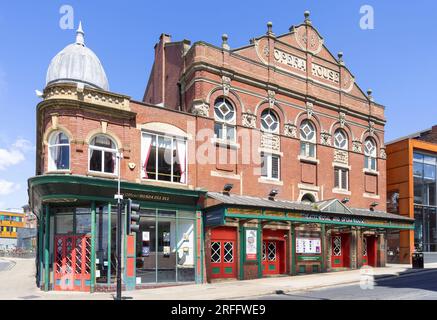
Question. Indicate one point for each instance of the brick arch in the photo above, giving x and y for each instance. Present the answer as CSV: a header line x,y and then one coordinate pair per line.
x,y
366,134
108,133
52,129
314,120
346,128
262,106
218,92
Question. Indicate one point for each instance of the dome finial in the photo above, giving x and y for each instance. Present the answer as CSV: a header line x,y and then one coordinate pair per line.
x,y
80,35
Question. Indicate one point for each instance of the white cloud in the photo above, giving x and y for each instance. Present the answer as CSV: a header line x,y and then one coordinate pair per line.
x,y
7,187
14,154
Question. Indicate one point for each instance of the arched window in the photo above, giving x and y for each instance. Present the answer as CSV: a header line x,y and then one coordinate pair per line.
x,y
370,154
269,121
308,198
59,152
102,155
307,139
224,114
340,139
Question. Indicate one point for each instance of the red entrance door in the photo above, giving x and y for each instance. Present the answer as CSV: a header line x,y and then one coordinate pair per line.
x,y
272,257
223,250
369,251
72,263
340,246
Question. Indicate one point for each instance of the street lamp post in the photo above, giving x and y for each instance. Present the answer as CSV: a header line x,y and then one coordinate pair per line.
x,y
119,198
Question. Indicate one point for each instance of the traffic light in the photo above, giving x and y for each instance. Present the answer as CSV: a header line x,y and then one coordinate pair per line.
x,y
133,216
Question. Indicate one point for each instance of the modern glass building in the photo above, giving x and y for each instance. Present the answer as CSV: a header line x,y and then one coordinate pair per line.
x,y
412,191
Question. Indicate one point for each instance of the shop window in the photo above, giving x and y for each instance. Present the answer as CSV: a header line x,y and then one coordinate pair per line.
x,y
270,166
340,139
59,152
370,154
164,158
64,224
307,139
269,121
224,115
102,155
341,178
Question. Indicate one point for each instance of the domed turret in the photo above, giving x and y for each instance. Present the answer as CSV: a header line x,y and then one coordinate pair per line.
x,y
76,63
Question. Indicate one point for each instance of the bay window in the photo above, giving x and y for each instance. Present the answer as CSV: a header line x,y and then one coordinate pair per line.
x,y
102,155
164,158
270,165
59,152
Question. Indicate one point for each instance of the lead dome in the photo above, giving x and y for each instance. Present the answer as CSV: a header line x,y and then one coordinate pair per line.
x,y
77,64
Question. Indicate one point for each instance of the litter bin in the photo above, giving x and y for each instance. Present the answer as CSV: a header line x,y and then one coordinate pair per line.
x,y
417,260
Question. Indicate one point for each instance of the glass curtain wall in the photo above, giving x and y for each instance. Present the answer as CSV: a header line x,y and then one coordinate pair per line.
x,y
425,206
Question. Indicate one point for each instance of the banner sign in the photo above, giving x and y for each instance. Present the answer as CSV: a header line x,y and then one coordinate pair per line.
x,y
251,244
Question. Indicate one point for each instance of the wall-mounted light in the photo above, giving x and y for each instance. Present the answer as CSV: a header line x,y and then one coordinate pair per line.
x,y
273,194
373,205
345,200
227,188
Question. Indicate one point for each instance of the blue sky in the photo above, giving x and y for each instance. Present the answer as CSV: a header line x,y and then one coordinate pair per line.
x,y
396,59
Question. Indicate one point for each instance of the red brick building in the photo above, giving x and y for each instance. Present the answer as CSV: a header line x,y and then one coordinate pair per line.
x,y
260,160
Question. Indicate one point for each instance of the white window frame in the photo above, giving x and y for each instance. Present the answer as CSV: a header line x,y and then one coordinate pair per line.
x,y
368,157
51,163
173,140
225,124
343,134
341,172
275,118
268,158
104,150
304,141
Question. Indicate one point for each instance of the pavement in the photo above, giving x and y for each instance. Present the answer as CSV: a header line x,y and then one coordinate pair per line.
x,y
18,282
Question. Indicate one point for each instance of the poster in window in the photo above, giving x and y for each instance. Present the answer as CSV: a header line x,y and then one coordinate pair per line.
x,y
145,251
146,235
251,246
166,251
308,245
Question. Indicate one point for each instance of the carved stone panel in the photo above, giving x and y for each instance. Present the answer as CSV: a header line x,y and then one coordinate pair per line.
x,y
356,146
249,119
200,108
290,130
382,154
270,141
341,156
325,138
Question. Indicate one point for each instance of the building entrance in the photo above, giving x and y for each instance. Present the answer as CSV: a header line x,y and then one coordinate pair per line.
x,y
340,250
369,251
272,257
72,263
223,250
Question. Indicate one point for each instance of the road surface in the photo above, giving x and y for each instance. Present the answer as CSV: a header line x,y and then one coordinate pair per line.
x,y
418,286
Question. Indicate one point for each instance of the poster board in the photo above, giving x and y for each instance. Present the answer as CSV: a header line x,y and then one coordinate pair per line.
x,y
308,245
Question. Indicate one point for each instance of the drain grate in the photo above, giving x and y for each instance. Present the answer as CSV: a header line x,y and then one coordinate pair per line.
x,y
29,297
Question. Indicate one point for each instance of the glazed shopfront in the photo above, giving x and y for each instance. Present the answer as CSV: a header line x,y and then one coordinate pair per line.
x,y
248,237
77,234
